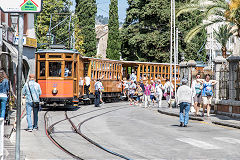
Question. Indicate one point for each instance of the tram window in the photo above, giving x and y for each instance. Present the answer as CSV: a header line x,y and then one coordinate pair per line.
x,y
68,56
42,69
75,70
145,68
55,56
68,69
152,68
42,55
55,69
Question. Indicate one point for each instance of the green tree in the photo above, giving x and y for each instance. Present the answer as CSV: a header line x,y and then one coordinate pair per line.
x,y
86,11
42,22
113,43
146,32
222,36
214,11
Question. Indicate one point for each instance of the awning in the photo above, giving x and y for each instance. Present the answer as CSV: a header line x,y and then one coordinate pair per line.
x,y
13,51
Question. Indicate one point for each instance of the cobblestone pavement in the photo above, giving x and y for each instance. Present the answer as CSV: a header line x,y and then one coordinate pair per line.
x,y
135,132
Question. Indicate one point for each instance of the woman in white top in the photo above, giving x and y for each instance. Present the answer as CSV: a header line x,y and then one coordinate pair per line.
x,y
168,87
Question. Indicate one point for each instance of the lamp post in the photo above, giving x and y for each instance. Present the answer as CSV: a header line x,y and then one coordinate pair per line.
x,y
14,20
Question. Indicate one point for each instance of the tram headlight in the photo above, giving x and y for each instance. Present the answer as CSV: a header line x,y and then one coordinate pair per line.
x,y
54,91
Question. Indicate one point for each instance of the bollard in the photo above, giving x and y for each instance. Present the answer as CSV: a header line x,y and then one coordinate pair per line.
x,y
1,137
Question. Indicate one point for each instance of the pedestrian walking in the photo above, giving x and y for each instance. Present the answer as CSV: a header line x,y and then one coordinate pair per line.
x,y
139,94
97,87
32,92
125,87
147,94
132,89
197,93
184,99
152,94
101,92
159,93
207,93
87,85
4,89
168,87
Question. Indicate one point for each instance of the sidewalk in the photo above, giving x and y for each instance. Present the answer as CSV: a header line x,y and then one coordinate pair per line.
x,y
214,118
9,147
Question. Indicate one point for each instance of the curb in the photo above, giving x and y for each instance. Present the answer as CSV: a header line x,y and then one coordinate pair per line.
x,y
177,115
226,124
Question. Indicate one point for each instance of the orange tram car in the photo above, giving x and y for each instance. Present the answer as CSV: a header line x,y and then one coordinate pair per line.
x,y
59,72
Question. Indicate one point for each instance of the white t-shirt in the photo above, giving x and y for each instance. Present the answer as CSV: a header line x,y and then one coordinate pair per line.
x,y
158,89
87,79
80,82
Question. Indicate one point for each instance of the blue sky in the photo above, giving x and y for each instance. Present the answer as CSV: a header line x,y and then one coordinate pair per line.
x,y
103,7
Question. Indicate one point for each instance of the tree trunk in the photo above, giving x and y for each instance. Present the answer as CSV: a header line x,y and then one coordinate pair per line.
x,y
224,52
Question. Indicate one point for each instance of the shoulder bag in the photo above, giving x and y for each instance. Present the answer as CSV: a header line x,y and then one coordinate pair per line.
x,y
35,104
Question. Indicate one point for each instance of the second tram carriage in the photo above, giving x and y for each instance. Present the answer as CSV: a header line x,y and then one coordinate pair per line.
x,y
59,71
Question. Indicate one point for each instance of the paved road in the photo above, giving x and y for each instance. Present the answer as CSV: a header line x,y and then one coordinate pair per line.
x,y
137,133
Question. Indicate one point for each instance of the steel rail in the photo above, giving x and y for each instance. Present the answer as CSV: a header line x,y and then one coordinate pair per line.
x,y
78,130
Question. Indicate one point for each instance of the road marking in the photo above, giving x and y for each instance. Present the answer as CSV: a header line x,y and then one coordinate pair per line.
x,y
228,140
198,143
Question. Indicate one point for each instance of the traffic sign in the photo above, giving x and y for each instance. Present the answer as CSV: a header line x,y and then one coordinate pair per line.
x,y
21,6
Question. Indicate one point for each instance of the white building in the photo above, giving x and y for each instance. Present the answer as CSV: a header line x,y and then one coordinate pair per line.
x,y
213,48
102,37
9,45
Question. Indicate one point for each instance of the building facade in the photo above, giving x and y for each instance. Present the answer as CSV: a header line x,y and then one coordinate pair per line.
x,y
102,37
9,46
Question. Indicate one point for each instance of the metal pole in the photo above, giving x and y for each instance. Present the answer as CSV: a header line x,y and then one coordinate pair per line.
x,y
175,61
177,32
19,86
171,50
174,45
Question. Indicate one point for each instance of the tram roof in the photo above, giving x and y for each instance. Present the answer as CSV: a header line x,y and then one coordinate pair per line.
x,y
125,62
56,51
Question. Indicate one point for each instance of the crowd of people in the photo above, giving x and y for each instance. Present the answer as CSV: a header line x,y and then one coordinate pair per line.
x,y
200,93
149,94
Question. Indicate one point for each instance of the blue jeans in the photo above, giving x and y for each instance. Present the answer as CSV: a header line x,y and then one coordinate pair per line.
x,y
29,108
184,106
3,101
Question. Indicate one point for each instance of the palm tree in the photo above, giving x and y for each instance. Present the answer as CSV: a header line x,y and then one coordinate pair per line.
x,y
213,11
222,37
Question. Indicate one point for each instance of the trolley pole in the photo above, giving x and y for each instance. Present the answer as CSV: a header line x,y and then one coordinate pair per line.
x,y
19,86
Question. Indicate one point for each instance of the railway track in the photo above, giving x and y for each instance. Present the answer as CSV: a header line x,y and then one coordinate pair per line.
x,y
77,129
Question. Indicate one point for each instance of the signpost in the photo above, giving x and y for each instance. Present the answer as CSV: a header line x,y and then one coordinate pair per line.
x,y
21,7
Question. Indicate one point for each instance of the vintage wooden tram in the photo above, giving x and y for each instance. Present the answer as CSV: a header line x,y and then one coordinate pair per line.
x,y
59,71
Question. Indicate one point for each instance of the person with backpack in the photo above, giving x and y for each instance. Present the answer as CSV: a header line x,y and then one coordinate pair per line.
x,y
32,92
207,93
168,87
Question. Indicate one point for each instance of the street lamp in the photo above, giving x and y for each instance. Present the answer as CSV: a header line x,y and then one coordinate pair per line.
x,y
14,19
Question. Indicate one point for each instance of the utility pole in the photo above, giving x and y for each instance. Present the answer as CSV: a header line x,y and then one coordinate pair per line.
x,y
175,62
19,84
171,41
